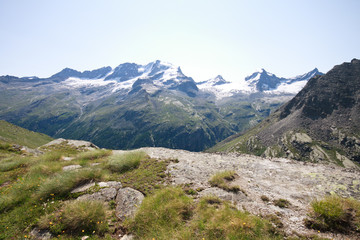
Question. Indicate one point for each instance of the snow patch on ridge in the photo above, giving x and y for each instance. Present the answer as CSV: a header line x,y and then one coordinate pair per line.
x,y
80,82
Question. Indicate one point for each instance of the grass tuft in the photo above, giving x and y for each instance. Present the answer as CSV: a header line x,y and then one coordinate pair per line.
x,y
334,213
224,221
51,156
93,155
62,183
282,203
160,214
76,217
125,162
222,179
264,198
13,163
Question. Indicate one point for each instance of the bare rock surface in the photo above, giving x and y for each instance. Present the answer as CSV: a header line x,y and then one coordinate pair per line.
x,y
224,195
74,143
127,202
298,182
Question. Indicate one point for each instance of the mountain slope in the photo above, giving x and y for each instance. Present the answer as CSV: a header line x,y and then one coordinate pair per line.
x,y
10,133
264,81
260,83
321,122
134,105
129,107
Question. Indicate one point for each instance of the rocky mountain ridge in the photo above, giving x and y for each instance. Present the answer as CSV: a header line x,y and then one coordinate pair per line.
x,y
321,123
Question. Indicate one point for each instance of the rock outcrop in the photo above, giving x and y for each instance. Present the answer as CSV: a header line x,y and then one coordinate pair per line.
x,y
78,144
127,200
275,178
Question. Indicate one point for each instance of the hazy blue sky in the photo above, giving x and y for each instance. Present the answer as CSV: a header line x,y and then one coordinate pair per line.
x,y
205,37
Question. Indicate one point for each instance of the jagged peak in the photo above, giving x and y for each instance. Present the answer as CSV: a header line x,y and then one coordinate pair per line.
x,y
66,71
219,77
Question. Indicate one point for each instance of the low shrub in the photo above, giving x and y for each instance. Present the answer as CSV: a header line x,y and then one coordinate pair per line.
x,y
275,220
211,199
281,203
77,217
335,213
124,162
264,198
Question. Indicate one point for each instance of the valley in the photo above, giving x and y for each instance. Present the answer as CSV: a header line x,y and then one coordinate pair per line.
x,y
134,106
293,175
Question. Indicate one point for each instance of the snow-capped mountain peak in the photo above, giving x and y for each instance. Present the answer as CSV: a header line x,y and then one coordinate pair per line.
x,y
160,75
264,81
218,80
306,76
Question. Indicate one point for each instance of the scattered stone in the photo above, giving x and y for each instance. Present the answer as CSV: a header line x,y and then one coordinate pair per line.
x,y
113,184
105,195
40,234
84,237
71,167
127,202
67,158
127,237
30,150
83,188
94,164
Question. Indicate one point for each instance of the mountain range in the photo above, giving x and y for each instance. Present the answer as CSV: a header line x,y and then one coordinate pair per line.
x,y
321,123
135,105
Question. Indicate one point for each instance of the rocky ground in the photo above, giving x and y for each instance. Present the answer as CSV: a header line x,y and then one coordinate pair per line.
x,y
298,182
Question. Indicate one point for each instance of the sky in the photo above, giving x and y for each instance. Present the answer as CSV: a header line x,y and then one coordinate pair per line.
x,y
205,38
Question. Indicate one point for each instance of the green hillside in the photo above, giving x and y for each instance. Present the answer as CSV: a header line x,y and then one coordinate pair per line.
x,y
13,134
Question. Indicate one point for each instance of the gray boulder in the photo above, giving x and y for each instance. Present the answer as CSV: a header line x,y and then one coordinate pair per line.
x,y
127,237
127,202
39,234
105,195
